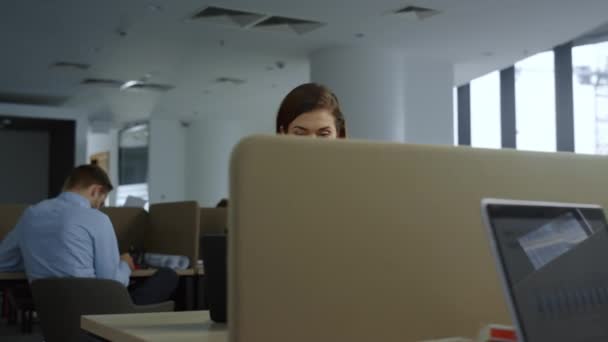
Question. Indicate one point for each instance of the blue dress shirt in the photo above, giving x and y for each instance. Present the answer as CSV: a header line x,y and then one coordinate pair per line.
x,y
64,237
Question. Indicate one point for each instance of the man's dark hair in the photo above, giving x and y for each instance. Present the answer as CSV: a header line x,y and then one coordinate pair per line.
x,y
84,176
222,204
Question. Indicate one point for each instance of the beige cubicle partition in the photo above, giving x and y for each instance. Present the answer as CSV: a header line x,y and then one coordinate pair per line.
x,y
130,225
174,229
214,220
358,241
9,215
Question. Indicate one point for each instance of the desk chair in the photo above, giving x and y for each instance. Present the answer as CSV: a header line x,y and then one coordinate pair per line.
x,y
61,302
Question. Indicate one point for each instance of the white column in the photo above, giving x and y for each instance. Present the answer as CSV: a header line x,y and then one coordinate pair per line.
x,y
190,160
388,96
209,146
369,84
167,161
429,102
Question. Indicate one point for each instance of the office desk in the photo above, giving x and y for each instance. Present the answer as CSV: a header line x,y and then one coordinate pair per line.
x,y
182,273
12,276
136,274
156,327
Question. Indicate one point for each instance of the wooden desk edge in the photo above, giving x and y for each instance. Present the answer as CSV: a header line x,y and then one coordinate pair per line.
x,y
136,274
89,325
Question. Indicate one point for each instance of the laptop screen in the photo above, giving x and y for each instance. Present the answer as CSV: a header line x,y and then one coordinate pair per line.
x,y
555,263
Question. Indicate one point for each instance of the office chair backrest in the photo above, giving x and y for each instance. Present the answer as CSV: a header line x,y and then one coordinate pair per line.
x,y
359,241
61,302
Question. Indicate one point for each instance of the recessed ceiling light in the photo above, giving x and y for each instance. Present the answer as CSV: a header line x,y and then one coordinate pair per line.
x,y
129,84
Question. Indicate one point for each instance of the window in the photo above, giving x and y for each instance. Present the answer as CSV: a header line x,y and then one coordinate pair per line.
x,y
133,164
485,111
535,103
590,88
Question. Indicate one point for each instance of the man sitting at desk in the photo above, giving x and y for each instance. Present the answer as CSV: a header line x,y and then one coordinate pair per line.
x,y
69,237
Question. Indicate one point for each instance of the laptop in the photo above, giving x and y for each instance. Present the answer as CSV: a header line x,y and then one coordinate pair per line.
x,y
553,258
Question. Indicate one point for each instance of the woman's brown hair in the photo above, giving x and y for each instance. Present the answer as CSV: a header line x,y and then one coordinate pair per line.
x,y
306,98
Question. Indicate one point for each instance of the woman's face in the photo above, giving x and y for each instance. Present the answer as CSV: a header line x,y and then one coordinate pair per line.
x,y
317,123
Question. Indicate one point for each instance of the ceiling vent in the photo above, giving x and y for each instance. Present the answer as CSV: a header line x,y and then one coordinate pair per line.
x,y
32,99
127,85
228,17
230,80
416,12
247,20
284,24
70,65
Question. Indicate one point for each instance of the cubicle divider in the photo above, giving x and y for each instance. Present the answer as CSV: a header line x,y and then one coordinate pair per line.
x,y
399,235
130,225
9,215
174,229
213,221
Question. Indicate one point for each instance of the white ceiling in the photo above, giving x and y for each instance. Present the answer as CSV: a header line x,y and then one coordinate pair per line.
x,y
476,36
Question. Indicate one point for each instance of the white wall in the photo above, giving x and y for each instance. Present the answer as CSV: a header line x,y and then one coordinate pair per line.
x,y
167,161
210,144
97,143
105,142
429,102
55,113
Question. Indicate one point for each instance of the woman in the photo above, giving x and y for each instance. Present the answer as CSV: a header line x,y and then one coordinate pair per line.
x,y
311,110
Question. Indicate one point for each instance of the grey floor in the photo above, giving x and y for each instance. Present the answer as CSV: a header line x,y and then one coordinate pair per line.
x,y
12,333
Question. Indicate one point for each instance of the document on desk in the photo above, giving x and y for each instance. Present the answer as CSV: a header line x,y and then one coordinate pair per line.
x,y
135,202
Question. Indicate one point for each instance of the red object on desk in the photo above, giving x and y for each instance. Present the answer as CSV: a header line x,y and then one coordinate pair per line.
x,y
502,334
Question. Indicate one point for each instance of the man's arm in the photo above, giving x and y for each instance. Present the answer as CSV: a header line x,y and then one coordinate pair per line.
x,y
10,254
108,264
